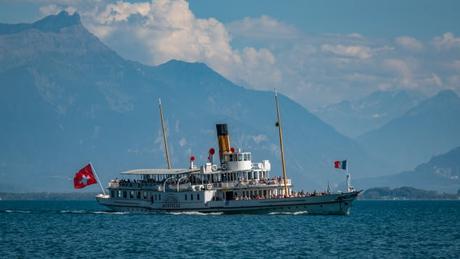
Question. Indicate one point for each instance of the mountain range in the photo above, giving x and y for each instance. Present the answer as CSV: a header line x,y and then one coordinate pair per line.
x,y
440,173
67,99
356,117
430,128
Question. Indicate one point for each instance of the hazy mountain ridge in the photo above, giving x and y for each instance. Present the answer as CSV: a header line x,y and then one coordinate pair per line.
x,y
67,99
406,193
430,128
356,117
52,23
441,173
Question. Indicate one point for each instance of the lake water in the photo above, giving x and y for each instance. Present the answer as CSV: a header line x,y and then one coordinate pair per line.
x,y
375,229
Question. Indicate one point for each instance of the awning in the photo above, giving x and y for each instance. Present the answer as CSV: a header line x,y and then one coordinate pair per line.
x,y
160,171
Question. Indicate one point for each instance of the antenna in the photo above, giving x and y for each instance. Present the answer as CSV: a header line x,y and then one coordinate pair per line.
x,y
280,132
165,139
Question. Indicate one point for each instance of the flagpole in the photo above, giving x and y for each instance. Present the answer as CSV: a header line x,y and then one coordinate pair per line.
x,y
280,133
165,138
97,178
348,175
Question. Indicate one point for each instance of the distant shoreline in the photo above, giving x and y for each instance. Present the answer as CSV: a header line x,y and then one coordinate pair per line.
x,y
405,193
51,196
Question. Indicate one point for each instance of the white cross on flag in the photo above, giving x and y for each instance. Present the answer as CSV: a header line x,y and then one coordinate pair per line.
x,y
84,177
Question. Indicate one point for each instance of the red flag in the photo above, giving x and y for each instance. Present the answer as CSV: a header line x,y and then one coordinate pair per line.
x,y
84,177
337,164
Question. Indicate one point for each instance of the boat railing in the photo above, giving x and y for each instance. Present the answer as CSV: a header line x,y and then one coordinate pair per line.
x,y
186,186
133,184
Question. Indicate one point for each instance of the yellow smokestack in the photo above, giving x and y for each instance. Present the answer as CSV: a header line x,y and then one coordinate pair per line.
x,y
223,139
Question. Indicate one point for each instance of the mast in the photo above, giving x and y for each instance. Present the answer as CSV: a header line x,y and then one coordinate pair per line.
x,y
165,139
280,132
97,178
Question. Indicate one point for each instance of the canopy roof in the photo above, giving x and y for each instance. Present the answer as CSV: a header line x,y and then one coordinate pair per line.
x,y
160,171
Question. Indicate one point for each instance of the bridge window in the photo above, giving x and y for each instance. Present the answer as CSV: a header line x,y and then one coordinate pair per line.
x,y
240,157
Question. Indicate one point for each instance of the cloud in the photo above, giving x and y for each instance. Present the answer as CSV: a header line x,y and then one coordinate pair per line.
x,y
455,65
167,29
54,9
121,11
263,27
446,41
401,68
259,138
409,43
264,52
435,80
361,52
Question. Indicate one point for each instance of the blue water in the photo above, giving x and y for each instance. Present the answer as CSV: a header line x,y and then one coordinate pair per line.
x,y
375,229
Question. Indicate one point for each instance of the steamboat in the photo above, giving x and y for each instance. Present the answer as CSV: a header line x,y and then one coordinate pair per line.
x,y
232,184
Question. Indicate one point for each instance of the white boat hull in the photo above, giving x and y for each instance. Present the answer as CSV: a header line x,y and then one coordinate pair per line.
x,y
327,204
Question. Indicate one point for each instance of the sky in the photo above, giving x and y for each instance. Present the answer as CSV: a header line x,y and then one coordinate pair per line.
x,y
316,52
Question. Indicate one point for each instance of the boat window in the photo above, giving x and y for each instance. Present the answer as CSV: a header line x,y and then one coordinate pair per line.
x,y
240,157
185,196
131,194
198,196
124,194
138,195
119,194
191,196
159,197
145,195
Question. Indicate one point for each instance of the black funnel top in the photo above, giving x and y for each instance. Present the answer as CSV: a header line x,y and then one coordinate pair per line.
x,y
222,129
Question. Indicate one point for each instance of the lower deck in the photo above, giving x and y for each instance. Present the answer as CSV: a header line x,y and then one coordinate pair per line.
x,y
337,203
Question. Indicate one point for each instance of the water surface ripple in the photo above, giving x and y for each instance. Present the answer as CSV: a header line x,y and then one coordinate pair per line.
x,y
375,229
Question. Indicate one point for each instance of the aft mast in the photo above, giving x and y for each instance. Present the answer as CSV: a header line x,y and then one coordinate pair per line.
x,y
280,132
165,139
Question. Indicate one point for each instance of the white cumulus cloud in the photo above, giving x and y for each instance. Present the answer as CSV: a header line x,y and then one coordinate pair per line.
x,y
403,69
162,30
353,51
263,27
447,41
409,43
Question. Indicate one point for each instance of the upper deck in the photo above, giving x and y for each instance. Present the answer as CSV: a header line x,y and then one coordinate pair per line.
x,y
234,171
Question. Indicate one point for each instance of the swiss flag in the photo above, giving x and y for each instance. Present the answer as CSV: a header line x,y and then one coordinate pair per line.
x,y
84,177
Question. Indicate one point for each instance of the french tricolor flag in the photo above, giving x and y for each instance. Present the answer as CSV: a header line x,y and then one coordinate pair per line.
x,y
340,164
